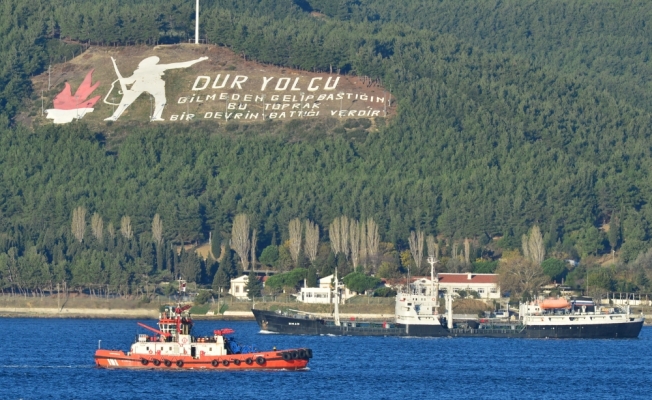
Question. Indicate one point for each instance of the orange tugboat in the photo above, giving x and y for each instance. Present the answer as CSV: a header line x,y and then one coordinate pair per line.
x,y
174,347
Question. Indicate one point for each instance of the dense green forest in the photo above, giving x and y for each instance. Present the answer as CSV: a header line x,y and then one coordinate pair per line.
x,y
510,114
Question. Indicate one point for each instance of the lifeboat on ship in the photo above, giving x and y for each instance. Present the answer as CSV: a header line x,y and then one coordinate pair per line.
x,y
553,303
172,346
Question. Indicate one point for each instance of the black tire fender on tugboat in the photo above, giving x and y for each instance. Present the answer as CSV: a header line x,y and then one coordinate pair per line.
x,y
286,356
215,363
225,363
309,353
179,363
143,361
302,354
294,354
236,362
260,360
167,363
249,361
156,362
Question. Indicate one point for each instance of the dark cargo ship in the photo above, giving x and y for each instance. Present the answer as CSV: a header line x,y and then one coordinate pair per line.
x,y
416,315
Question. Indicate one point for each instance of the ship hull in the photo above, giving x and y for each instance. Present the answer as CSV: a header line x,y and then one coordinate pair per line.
x,y
264,361
278,323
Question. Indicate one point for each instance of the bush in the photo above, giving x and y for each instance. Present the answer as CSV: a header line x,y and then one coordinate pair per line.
x,y
202,297
485,267
384,292
289,279
360,283
364,123
351,123
269,256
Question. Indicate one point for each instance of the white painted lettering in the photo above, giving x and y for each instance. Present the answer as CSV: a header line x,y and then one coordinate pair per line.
x,y
217,78
265,82
294,85
206,80
312,88
327,87
285,82
238,80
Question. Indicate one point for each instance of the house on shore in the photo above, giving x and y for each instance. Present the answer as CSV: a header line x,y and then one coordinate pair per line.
x,y
486,285
238,287
323,294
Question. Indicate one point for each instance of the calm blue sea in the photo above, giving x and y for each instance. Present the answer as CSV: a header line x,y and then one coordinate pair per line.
x,y
53,359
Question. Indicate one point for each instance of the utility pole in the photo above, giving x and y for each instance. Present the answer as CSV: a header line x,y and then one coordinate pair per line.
x,y
341,97
197,22
385,104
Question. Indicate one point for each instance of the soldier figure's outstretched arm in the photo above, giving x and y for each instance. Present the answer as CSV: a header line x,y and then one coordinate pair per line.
x,y
184,64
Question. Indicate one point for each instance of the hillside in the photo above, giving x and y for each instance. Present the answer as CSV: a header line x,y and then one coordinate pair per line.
x,y
500,122
192,83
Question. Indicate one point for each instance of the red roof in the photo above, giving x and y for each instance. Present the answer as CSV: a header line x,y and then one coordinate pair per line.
x,y
464,278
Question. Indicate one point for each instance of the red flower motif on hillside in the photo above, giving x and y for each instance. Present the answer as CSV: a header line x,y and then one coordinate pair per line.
x,y
65,101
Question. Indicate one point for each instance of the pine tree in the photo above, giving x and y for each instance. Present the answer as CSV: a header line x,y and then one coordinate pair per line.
x,y
254,286
221,280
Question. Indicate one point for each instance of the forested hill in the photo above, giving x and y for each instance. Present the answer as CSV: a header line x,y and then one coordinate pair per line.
x,y
510,114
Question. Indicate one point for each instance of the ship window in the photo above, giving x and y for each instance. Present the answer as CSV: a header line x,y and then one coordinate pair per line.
x,y
210,349
147,348
409,304
170,348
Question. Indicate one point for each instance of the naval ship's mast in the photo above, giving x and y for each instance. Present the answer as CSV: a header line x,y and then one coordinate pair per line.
x,y
434,282
336,299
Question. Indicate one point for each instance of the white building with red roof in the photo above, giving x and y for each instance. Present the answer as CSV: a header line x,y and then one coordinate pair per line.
x,y
486,285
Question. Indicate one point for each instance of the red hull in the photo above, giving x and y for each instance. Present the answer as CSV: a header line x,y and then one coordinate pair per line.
x,y
234,362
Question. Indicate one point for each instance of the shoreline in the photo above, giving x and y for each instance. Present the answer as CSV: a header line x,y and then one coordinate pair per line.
x,y
97,313
101,313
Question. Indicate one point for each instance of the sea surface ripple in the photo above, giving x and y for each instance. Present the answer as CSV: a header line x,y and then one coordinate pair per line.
x,y
53,359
